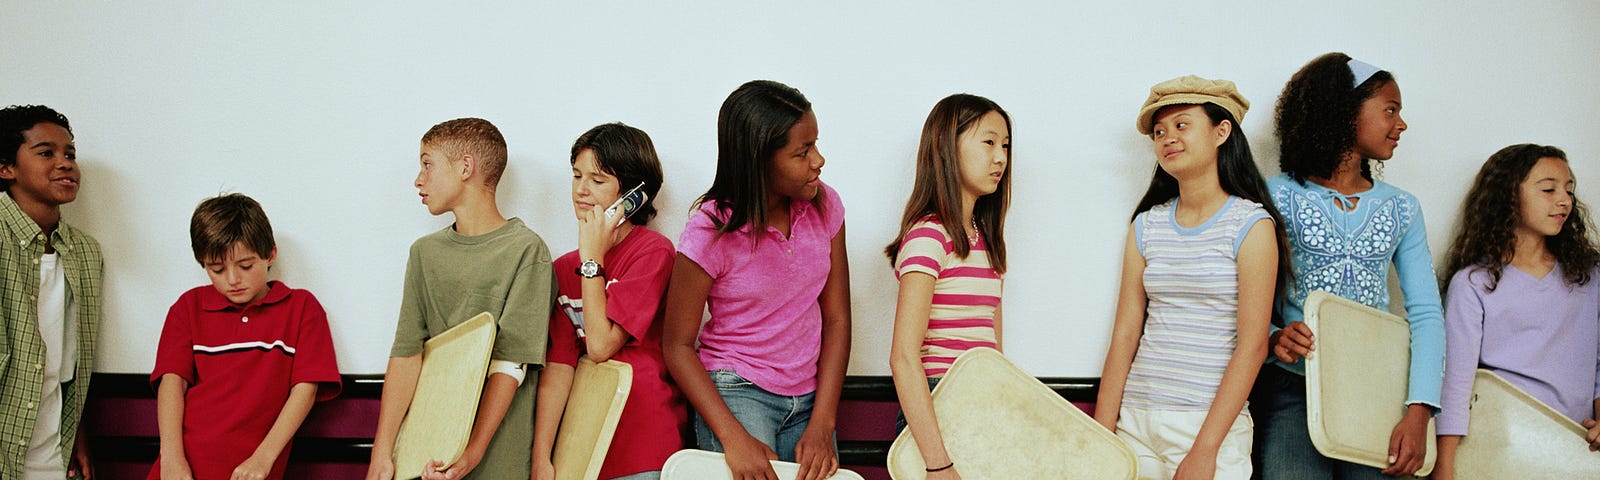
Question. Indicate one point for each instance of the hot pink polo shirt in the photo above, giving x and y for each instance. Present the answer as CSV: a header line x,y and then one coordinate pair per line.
x,y
766,323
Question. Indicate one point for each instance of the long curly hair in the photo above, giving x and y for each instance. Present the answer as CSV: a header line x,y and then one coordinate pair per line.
x,y
1316,117
1486,233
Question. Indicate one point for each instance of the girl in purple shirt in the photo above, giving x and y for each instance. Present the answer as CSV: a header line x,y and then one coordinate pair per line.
x,y
764,252
1536,323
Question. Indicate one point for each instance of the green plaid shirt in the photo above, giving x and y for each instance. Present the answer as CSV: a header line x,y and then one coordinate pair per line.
x,y
22,347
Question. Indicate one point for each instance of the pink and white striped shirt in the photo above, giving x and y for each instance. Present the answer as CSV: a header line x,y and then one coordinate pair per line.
x,y
966,292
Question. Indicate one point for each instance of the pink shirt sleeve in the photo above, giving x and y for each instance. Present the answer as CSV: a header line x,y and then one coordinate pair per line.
x,y
699,239
923,250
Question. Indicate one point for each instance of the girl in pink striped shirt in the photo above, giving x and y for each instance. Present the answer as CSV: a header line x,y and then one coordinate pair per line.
x,y
949,257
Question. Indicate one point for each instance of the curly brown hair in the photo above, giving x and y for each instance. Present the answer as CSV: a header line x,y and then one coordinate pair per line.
x,y
1486,237
1316,116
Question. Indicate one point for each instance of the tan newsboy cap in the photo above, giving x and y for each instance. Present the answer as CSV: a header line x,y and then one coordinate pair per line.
x,y
1191,90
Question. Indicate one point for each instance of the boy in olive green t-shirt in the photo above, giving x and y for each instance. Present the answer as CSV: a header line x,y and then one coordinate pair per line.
x,y
481,263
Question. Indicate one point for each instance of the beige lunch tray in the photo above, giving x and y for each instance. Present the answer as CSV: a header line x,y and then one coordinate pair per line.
x,y
693,464
1513,436
1356,381
999,422
599,393
439,421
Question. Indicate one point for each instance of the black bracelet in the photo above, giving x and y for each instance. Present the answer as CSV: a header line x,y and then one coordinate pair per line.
x,y
941,469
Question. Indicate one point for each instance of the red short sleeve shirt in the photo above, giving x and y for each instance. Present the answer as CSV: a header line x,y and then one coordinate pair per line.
x,y
240,362
655,416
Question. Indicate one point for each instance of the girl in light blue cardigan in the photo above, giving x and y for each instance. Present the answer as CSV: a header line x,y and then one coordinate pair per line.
x,y
1337,118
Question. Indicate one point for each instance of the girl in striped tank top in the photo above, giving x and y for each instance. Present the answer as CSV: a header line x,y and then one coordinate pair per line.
x,y
949,257
1199,273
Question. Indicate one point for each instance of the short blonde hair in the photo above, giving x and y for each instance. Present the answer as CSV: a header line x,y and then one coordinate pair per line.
x,y
472,136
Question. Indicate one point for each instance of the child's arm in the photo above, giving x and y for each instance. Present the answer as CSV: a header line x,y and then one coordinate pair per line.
x,y
1594,428
1125,333
815,450
1463,328
686,303
555,384
905,365
169,424
294,411
498,391
399,386
1257,274
1424,313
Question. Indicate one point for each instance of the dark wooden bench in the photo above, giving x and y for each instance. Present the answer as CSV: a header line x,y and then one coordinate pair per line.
x,y
336,439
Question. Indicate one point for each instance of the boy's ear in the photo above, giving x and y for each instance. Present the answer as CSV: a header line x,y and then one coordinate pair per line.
x,y
8,171
272,256
469,165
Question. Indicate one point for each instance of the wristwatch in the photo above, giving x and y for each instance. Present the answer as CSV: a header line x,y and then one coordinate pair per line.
x,y
590,269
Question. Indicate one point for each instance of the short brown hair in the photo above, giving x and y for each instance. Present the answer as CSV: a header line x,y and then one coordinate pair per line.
x,y
472,136
221,221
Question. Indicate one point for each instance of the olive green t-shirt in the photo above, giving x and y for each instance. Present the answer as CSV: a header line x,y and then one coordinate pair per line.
x,y
452,277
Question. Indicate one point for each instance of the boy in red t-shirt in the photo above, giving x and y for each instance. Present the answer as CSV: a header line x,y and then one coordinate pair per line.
x,y
240,361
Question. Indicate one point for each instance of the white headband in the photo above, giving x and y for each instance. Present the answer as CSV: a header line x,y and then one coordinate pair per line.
x,y
1362,71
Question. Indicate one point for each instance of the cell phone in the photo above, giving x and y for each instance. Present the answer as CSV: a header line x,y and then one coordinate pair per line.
x,y
628,203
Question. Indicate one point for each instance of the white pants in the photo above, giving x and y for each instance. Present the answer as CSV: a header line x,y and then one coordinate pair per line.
x,y
1161,438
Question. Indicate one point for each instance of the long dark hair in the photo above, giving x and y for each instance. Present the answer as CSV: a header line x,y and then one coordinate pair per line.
x,y
628,154
1317,112
1486,235
753,124
937,190
1236,171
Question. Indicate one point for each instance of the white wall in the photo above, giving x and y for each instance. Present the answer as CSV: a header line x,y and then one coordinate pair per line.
x,y
315,109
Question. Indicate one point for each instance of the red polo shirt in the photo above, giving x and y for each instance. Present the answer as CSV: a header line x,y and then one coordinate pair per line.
x,y
240,362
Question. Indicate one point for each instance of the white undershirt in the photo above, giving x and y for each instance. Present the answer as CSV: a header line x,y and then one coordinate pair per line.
x,y
43,461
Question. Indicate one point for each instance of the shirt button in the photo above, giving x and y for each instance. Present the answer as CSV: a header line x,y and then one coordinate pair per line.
x,y
35,261
40,236
244,319
38,366
31,405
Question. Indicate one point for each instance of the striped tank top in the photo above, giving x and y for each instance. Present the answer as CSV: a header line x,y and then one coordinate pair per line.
x,y
1191,281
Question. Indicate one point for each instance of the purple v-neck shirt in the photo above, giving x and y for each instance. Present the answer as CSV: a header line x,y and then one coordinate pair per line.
x,y
1540,334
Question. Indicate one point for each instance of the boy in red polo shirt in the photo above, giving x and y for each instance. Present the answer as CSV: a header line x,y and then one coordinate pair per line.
x,y
240,361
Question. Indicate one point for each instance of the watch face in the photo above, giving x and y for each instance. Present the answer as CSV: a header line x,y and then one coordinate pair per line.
x,y
589,268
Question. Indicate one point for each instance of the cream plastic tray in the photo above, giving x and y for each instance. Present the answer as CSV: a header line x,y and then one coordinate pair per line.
x,y
1000,422
1513,436
703,465
440,419
599,392
1356,380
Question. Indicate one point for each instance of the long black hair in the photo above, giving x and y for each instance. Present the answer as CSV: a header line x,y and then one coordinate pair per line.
x,y
753,124
1236,171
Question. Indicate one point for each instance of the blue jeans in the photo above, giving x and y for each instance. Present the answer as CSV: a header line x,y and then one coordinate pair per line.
x,y
651,475
1283,449
775,420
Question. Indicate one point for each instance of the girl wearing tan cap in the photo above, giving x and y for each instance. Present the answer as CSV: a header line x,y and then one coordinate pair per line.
x,y
1200,270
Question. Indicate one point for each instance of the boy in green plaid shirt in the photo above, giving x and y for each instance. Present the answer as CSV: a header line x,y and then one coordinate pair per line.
x,y
50,300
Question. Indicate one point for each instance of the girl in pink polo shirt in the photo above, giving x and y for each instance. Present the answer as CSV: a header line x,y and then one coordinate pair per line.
x,y
949,257
764,251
